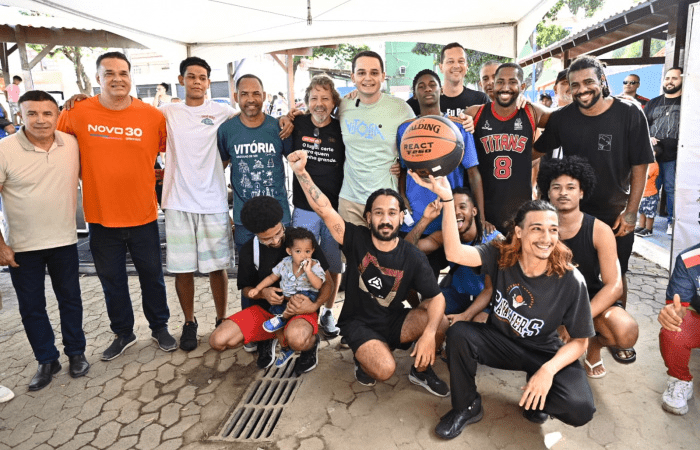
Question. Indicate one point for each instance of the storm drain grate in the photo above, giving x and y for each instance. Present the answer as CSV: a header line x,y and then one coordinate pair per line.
x,y
257,415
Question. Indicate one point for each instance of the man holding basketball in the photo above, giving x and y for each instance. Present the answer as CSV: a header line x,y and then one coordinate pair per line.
x,y
381,269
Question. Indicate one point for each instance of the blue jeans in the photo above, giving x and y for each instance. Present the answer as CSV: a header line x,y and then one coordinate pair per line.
x,y
279,309
667,178
28,281
108,247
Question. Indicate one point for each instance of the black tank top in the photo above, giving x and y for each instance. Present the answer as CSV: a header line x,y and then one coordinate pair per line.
x,y
585,255
504,149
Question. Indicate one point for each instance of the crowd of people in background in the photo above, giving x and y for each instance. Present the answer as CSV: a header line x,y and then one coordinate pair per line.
x,y
516,260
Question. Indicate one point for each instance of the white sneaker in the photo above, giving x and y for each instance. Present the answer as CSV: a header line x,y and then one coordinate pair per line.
x,y
6,394
669,229
675,398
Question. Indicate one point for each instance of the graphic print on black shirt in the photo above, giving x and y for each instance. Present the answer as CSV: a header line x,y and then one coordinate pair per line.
x,y
379,282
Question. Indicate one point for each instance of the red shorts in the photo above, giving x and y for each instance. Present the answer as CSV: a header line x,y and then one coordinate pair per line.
x,y
251,319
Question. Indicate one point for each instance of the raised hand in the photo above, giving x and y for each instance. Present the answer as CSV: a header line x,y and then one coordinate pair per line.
x,y
438,185
671,315
297,160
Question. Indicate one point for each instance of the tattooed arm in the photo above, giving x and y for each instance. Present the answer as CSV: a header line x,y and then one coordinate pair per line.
x,y
317,199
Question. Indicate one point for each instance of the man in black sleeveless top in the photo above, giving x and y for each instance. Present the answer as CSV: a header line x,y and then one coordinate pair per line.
x,y
565,182
503,135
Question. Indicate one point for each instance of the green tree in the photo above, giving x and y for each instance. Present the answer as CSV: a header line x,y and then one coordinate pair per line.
x,y
548,32
475,59
341,55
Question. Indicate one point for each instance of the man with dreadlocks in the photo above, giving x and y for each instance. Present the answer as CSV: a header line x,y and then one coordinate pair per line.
x,y
535,290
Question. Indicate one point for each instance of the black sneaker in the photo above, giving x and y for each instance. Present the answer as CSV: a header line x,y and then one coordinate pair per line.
x,y
328,325
344,343
266,353
218,322
362,377
638,229
118,346
429,380
308,359
535,416
644,232
165,341
188,340
452,423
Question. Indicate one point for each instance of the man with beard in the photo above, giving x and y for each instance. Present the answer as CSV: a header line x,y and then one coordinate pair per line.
x,y
251,142
382,268
611,133
487,76
664,115
320,136
427,89
503,135
565,182
630,86
456,97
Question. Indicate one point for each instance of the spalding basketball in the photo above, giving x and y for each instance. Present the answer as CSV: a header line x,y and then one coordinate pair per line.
x,y
432,145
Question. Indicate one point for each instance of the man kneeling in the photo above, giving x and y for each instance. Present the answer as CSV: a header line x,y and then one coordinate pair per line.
x,y
262,216
535,289
381,269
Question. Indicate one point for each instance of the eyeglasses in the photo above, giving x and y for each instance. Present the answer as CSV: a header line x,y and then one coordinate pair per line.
x,y
279,235
630,82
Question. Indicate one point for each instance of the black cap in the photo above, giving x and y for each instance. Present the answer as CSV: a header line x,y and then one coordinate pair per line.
x,y
561,76
543,96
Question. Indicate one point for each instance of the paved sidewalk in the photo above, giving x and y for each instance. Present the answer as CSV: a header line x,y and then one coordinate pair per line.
x,y
148,399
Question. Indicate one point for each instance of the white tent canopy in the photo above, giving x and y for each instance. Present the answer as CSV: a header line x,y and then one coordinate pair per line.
x,y
226,30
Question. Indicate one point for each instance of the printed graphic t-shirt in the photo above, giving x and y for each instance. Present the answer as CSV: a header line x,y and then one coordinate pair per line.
x,y
369,134
529,310
257,165
377,282
117,152
194,179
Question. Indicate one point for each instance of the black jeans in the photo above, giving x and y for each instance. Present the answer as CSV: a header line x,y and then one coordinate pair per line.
x,y
569,399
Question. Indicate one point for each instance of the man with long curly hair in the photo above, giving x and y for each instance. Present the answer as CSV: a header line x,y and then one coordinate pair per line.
x,y
535,290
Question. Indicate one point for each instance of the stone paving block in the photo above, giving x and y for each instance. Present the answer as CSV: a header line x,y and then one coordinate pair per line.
x,y
34,441
174,385
178,358
112,389
149,391
21,432
102,379
40,447
225,364
77,442
212,386
339,415
147,354
91,408
172,444
165,374
202,400
313,443
186,395
190,409
150,437
139,424
98,421
66,414
81,398
169,414
179,428
139,381
363,404
130,370
156,404
129,412
107,435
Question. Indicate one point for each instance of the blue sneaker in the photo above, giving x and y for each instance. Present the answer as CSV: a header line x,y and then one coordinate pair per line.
x,y
284,357
274,324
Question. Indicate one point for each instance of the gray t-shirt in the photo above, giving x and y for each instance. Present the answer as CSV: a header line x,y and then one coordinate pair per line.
x,y
292,283
529,310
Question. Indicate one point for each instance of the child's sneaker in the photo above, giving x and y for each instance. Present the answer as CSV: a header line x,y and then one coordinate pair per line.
x,y
276,323
284,357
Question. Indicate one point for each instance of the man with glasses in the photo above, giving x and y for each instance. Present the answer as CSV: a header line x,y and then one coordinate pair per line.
x,y
262,216
320,135
630,86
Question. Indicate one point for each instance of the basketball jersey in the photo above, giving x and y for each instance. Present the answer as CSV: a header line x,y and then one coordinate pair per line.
x,y
504,149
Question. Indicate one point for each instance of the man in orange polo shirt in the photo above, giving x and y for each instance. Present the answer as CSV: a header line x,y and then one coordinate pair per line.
x,y
119,138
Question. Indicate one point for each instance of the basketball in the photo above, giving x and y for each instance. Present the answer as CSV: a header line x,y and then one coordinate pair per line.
x,y
432,145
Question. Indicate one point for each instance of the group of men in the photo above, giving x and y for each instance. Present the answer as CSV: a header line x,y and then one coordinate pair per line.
x,y
348,192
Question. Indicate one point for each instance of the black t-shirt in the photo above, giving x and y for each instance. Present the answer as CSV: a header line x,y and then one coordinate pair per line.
x,y
664,117
249,276
454,106
613,142
326,153
586,255
378,282
529,310
504,149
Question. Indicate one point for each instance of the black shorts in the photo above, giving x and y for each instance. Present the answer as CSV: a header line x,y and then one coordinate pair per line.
x,y
624,250
357,332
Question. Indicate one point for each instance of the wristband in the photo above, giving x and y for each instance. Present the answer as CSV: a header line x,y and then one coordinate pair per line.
x,y
446,201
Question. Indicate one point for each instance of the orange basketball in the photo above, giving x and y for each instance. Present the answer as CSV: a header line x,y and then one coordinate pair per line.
x,y
432,145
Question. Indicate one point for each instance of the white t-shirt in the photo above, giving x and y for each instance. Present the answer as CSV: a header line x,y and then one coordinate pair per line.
x,y
194,179
369,134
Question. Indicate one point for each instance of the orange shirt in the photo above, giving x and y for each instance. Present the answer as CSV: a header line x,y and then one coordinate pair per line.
x,y
117,152
652,174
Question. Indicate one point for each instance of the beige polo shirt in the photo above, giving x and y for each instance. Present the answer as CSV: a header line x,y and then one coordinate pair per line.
x,y
39,191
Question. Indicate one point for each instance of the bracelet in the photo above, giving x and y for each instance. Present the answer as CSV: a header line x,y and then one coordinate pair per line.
x,y
447,201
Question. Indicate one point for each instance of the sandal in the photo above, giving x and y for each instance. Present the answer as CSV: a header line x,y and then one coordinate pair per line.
x,y
618,355
593,366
